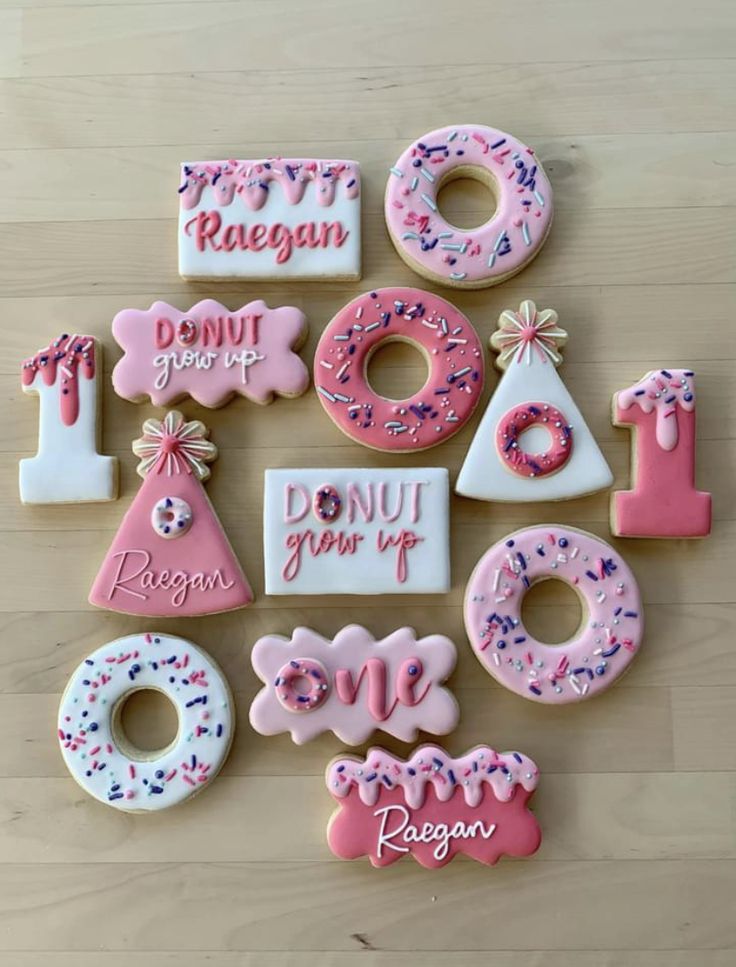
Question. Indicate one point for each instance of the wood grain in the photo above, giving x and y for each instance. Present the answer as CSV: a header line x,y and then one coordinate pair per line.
x,y
632,107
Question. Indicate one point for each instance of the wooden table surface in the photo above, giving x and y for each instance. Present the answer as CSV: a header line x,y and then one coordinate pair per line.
x,y
631,108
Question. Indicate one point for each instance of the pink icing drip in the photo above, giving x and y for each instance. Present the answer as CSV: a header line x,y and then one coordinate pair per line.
x,y
65,355
661,391
251,180
482,765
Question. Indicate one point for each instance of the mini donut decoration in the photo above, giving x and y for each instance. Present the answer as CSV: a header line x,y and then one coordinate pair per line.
x,y
96,750
520,418
477,257
432,325
602,649
171,517
186,332
327,504
302,669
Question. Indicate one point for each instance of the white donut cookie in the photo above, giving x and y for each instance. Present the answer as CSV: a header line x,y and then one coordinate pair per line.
x,y
95,748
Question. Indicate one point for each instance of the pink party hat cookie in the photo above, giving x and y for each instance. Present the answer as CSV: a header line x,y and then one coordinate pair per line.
x,y
170,556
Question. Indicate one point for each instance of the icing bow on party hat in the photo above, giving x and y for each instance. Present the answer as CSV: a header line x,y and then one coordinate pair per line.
x,y
170,555
524,332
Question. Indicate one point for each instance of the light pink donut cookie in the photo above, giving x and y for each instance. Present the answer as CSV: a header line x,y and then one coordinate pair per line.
x,y
432,806
477,257
431,324
353,685
609,636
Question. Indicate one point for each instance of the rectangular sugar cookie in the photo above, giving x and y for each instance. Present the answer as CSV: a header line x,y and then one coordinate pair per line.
x,y
277,218
349,531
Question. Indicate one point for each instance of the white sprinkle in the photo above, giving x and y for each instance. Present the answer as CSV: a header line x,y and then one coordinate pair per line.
x,y
341,338
451,137
539,198
414,183
499,241
451,247
341,372
395,171
344,399
426,174
323,391
458,275
359,312
497,579
373,325
428,202
525,233
409,235
445,235
323,362
574,552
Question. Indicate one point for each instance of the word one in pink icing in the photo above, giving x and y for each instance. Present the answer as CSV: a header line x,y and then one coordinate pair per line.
x,y
276,218
209,353
432,806
170,556
663,501
353,685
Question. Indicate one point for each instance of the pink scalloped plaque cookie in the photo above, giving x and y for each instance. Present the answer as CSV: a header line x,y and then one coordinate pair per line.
x,y
663,501
356,531
432,806
353,685
170,556
210,353
275,218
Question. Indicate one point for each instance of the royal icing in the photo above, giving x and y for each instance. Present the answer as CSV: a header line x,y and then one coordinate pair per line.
x,y
209,353
65,375
353,685
277,218
439,330
432,806
532,442
476,257
98,754
609,637
664,501
145,571
390,537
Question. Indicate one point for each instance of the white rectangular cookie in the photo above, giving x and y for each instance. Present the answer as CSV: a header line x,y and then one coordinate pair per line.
x,y
275,218
348,531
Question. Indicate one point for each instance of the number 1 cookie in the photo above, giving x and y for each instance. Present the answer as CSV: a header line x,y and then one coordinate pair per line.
x,y
66,376
663,501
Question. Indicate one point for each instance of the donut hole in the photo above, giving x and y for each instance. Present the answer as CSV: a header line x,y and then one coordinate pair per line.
x,y
536,439
301,684
396,368
467,197
145,724
553,612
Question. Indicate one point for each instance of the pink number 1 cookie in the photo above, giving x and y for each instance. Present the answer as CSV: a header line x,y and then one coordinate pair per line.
x,y
663,501
432,806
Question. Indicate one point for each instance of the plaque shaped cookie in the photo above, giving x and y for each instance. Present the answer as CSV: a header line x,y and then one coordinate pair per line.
x,y
210,353
170,556
356,531
353,685
275,218
432,806
532,442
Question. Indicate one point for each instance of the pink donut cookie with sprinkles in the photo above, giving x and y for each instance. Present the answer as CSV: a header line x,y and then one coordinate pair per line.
x,y
432,806
97,751
610,633
432,325
477,257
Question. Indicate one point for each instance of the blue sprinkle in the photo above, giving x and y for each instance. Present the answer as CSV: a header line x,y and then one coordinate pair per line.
x,y
451,776
517,757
